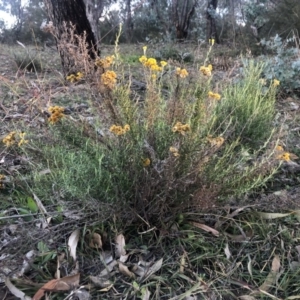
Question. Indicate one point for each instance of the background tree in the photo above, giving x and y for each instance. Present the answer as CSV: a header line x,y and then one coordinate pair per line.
x,y
63,14
211,27
183,11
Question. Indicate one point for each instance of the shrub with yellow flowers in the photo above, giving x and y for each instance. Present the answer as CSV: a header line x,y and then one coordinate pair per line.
x,y
170,146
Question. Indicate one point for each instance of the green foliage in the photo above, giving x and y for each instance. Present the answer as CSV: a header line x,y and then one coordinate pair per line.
x,y
25,60
284,65
248,106
158,158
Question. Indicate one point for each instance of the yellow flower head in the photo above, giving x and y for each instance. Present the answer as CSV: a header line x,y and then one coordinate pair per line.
x,y
181,128
105,62
276,82
150,62
10,139
216,142
119,130
71,78
22,139
78,76
109,79
143,59
145,50
146,162
206,71
163,63
181,72
286,156
155,68
174,151
126,127
214,95
57,113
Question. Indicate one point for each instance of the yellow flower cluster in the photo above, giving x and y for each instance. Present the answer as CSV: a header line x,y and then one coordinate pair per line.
x,y
216,142
11,139
206,71
2,178
181,72
276,82
119,130
75,77
151,63
211,41
174,151
286,156
105,62
57,113
146,162
214,95
181,128
281,154
109,79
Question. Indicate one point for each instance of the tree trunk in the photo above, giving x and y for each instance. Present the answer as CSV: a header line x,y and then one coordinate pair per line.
x,y
94,11
211,28
65,14
128,22
182,14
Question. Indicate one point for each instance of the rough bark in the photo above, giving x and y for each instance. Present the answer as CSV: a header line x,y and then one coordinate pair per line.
x,y
211,28
94,11
64,14
182,15
128,22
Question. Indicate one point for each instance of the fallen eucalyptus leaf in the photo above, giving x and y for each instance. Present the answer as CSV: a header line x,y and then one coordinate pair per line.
x,y
120,246
125,271
15,291
100,281
72,243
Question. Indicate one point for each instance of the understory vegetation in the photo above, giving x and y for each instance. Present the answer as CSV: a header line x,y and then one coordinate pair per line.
x,y
126,170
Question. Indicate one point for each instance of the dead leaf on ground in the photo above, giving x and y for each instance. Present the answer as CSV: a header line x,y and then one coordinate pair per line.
x,y
145,293
95,241
227,251
269,216
271,278
108,268
57,285
100,281
120,246
72,243
206,228
29,258
15,291
39,204
154,268
125,271
246,297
